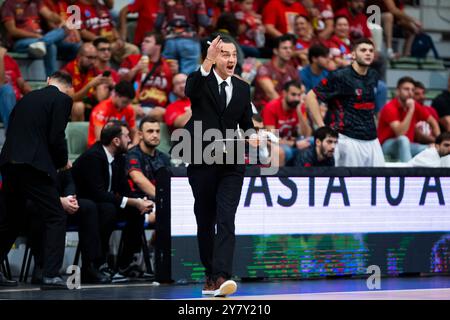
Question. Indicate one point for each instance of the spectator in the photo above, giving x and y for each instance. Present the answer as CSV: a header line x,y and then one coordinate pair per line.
x,y
23,23
99,175
115,108
395,20
144,160
319,60
304,32
340,44
178,112
398,121
103,64
442,105
264,154
436,156
96,21
321,152
68,48
12,85
279,15
151,74
321,13
182,23
357,19
423,129
147,12
251,30
86,78
283,114
272,76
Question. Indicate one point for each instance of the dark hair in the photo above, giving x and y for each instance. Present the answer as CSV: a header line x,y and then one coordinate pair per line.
x,y
302,16
444,136
292,83
284,38
159,38
99,40
336,18
112,129
405,79
317,50
257,117
227,21
323,132
125,89
359,41
420,85
62,77
145,119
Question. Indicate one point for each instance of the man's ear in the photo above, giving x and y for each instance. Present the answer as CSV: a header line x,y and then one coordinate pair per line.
x,y
48,80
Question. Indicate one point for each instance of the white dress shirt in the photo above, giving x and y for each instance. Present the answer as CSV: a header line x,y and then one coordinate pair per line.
x,y
228,88
110,158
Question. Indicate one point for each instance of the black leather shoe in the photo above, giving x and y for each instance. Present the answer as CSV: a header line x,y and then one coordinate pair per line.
x,y
5,282
93,275
36,278
53,283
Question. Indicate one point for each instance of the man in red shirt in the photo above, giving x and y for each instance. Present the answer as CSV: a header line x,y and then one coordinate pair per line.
x,y
115,108
178,112
85,78
147,11
272,75
151,75
357,19
12,85
284,114
398,120
279,15
96,21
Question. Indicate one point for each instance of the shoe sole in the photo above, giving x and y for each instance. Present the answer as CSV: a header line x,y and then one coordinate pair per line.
x,y
227,288
37,53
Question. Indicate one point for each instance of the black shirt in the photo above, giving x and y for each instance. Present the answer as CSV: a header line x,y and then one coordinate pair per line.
x,y
308,158
442,104
147,164
350,98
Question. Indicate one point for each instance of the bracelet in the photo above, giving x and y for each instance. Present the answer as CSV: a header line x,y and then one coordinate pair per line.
x,y
209,59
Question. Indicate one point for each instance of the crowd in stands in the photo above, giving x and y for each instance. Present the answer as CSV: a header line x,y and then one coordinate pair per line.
x,y
128,88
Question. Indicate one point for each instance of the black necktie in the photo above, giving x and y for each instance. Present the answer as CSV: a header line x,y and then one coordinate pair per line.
x,y
223,95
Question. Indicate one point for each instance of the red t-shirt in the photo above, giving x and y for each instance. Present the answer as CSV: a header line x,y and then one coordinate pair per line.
x,y
187,12
12,73
339,47
25,14
79,80
174,110
358,24
106,111
284,121
278,77
97,19
282,16
155,91
393,111
147,11
247,38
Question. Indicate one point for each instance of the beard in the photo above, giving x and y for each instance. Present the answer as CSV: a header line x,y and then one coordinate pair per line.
x,y
326,154
361,63
150,145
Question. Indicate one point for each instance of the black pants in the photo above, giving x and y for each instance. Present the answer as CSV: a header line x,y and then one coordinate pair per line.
x,y
217,190
87,220
21,182
109,216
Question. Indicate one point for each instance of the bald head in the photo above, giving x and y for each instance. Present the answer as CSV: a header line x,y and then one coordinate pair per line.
x,y
179,83
87,56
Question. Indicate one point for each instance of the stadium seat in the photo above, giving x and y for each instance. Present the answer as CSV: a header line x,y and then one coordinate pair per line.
x,y
76,134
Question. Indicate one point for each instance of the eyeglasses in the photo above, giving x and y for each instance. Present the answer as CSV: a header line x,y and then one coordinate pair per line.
x,y
91,57
104,49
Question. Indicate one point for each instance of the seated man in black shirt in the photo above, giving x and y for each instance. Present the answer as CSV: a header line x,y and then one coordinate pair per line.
x,y
321,153
442,105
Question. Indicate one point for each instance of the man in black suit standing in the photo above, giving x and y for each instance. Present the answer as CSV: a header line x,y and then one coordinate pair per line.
x,y
100,176
34,149
220,101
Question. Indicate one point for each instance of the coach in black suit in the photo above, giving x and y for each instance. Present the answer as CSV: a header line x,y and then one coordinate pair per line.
x,y
34,149
219,101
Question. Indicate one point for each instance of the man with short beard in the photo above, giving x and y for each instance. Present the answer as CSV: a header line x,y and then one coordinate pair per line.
x,y
321,153
350,97
99,175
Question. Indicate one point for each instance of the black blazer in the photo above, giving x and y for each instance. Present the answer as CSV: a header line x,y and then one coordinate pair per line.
x,y
91,175
36,132
205,104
